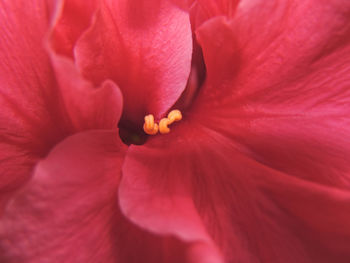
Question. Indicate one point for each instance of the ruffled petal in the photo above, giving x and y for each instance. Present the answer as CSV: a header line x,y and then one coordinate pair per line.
x,y
267,171
65,212
41,103
31,121
298,124
72,18
264,149
221,55
145,48
269,46
252,212
203,10
155,194
87,107
69,211
184,4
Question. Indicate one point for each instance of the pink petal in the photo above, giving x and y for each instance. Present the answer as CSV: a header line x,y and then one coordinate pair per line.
x,y
27,80
73,17
69,211
184,4
145,48
34,116
221,55
67,207
269,44
154,194
30,117
87,107
298,124
252,212
203,10
263,154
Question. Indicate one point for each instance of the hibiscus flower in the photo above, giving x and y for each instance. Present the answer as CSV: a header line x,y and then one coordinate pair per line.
x,y
254,169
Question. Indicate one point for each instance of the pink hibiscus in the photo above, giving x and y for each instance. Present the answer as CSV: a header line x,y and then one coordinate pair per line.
x,y
257,169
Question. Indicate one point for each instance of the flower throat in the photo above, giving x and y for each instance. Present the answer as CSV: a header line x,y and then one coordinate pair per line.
x,y
138,133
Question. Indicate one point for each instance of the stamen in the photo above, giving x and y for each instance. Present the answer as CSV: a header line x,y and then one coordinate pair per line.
x,y
151,128
163,126
174,115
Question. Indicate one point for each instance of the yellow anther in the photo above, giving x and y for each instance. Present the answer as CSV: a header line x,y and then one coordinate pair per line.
x,y
152,128
174,115
163,126
149,126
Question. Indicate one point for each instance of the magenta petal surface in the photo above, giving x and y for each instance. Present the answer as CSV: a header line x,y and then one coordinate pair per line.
x,y
65,213
144,47
88,107
31,120
69,211
263,153
198,180
298,124
155,194
203,10
277,44
72,18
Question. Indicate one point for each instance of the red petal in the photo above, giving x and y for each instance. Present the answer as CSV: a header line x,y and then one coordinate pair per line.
x,y
73,17
254,213
145,48
292,119
64,213
269,44
31,120
221,55
203,10
33,117
264,151
87,107
154,194
184,4
69,211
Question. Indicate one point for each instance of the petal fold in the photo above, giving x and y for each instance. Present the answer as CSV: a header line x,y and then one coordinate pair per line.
x,y
145,47
31,120
88,107
273,44
65,213
69,211
72,18
206,182
203,10
288,118
159,201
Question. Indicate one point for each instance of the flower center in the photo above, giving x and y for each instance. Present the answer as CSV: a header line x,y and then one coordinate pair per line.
x,y
151,128
132,132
